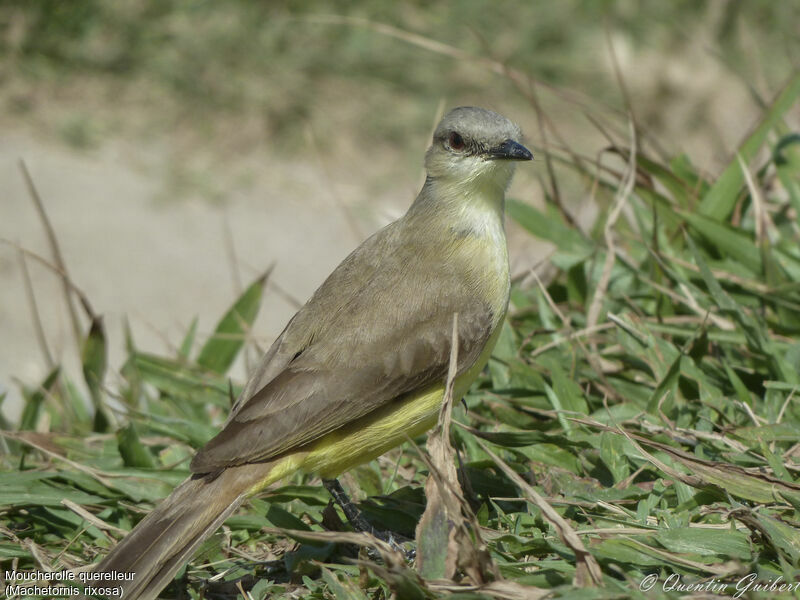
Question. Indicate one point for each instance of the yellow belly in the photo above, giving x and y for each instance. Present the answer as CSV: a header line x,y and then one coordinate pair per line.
x,y
374,434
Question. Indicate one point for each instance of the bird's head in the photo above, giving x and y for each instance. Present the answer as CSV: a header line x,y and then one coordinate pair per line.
x,y
475,146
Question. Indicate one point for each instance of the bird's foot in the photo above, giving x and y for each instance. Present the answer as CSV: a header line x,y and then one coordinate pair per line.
x,y
397,542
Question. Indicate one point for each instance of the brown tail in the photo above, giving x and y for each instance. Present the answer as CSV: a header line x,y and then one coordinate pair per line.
x,y
166,539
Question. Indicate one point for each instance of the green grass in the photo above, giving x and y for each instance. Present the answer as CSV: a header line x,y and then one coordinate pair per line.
x,y
642,400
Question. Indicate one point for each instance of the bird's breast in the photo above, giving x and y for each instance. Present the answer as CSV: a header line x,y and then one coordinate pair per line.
x,y
481,241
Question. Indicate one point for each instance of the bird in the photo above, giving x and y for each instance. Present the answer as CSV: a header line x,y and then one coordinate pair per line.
x,y
361,367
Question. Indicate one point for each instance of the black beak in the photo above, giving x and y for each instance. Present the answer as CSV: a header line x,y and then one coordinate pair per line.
x,y
510,150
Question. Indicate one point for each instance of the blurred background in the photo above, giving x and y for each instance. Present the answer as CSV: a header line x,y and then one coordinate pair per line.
x,y
181,148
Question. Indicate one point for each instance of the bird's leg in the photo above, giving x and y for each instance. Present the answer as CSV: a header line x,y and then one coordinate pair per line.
x,y
357,520
350,510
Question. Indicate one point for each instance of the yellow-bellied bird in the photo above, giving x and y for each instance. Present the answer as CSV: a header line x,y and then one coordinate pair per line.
x,y
363,364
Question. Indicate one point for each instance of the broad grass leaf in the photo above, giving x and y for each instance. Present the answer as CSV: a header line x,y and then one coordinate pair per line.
x,y
67,522
555,403
87,483
265,589
665,390
149,485
551,227
636,394
11,550
681,165
786,157
250,522
34,401
569,392
28,489
626,552
727,241
718,203
577,286
741,390
307,556
194,433
616,413
728,543
177,378
188,341
310,494
783,537
94,363
768,432
220,350
398,516
517,439
734,480
131,449
342,590
504,353
4,424
76,402
280,517
552,455
679,190
93,355
614,450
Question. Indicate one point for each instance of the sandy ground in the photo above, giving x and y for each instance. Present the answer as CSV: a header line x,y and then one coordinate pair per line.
x,y
157,263
142,252
158,257
161,263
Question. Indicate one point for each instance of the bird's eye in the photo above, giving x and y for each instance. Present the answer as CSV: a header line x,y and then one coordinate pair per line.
x,y
456,141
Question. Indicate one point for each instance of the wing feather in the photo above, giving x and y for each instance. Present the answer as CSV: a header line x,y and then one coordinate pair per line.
x,y
372,334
